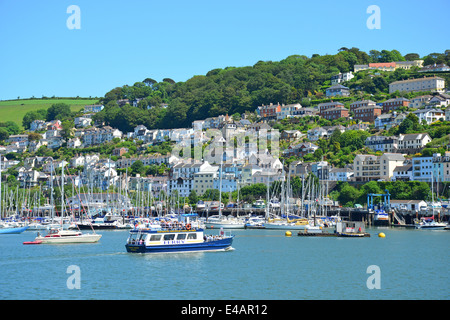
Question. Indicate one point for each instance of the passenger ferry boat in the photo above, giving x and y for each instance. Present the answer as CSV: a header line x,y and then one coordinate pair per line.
x,y
178,236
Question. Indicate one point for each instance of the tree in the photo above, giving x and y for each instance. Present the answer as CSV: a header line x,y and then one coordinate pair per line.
x,y
348,195
30,116
149,82
193,198
3,134
137,167
411,56
67,127
58,111
34,136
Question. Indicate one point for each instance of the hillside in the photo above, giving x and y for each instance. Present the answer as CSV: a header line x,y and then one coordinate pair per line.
x,y
14,110
295,79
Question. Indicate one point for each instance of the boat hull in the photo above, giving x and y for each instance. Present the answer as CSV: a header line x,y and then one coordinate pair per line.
x,y
287,226
215,245
224,225
436,227
15,230
97,226
85,238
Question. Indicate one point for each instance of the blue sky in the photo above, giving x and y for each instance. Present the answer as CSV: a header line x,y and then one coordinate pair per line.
x,y
122,42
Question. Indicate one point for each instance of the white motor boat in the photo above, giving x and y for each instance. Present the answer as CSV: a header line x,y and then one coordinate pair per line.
x,y
217,222
430,224
55,236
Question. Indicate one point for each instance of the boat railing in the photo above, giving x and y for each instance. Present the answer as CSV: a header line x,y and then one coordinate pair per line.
x,y
172,226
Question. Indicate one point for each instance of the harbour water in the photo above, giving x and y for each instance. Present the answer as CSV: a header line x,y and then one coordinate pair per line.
x,y
264,265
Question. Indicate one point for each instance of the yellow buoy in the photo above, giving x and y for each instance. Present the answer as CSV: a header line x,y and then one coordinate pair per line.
x,y
288,233
381,235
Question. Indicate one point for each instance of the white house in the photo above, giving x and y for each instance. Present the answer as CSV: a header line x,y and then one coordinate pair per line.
x,y
340,174
288,110
410,205
382,143
413,141
82,122
94,136
316,133
37,125
430,115
403,173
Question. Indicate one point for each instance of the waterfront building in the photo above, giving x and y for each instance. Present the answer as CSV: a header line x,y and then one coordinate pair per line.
x,y
403,173
441,167
370,167
422,168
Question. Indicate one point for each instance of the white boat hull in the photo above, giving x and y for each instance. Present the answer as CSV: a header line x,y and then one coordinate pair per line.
x,y
290,226
224,225
84,238
437,226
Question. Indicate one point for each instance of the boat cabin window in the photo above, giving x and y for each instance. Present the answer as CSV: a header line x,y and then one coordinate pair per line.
x,y
181,236
155,237
137,237
169,236
192,236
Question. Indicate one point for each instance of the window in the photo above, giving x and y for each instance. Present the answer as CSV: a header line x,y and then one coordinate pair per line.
x,y
192,236
169,236
155,237
181,236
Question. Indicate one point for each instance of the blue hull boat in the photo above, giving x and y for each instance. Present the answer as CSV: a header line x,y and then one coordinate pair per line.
x,y
162,241
14,230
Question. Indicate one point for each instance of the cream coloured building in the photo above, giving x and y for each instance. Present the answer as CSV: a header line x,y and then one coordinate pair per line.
x,y
420,84
371,167
204,179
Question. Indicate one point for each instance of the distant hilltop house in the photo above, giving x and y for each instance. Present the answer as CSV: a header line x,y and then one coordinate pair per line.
x,y
341,77
93,108
420,84
388,66
435,68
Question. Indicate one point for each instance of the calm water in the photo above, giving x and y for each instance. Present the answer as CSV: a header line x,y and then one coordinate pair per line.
x,y
264,265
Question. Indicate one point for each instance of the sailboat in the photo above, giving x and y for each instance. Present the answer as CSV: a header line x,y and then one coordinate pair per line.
x,y
281,223
224,222
428,223
62,236
7,228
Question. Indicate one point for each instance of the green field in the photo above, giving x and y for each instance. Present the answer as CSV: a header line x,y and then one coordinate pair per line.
x,y
14,110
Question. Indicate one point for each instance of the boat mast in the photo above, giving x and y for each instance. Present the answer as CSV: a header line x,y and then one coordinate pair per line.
x,y
62,192
220,189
